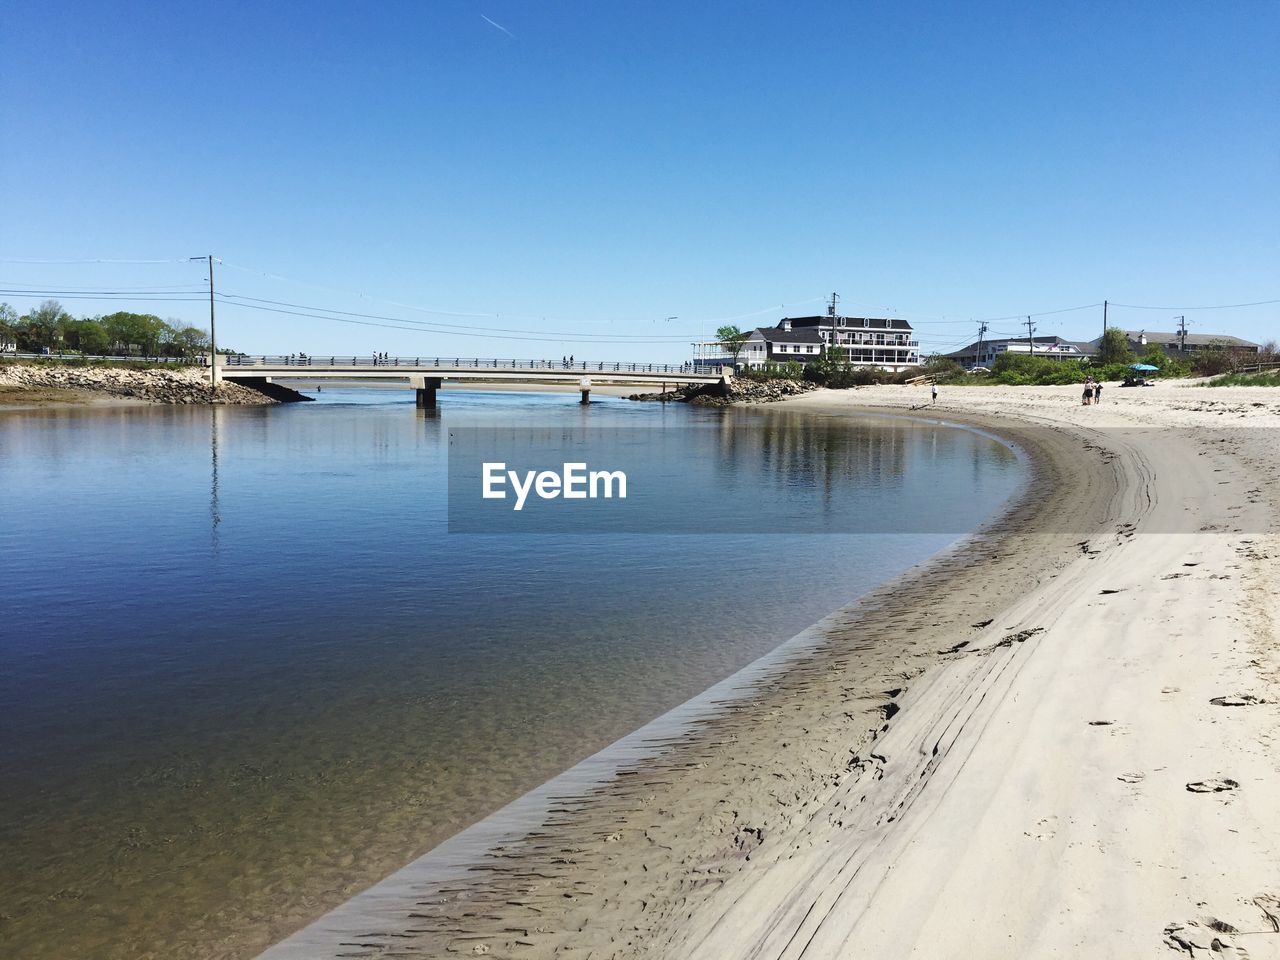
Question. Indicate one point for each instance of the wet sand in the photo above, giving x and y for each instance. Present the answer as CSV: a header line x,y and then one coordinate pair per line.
x,y
1031,745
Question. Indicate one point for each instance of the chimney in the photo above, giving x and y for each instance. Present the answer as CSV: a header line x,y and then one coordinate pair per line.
x,y
1142,338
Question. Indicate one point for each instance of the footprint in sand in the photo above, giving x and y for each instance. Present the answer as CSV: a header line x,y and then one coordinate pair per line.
x,y
1132,777
1047,829
1217,937
1212,786
1237,700
1214,938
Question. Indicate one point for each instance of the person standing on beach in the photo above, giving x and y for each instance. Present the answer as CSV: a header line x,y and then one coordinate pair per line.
x,y
935,392
1097,392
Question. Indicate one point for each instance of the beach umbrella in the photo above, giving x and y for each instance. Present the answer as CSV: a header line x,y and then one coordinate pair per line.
x,y
1144,367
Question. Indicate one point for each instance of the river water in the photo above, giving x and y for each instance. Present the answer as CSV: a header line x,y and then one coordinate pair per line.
x,y
251,661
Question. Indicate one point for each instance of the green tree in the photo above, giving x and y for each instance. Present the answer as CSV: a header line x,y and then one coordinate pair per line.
x,y
1114,347
135,332
186,341
42,327
87,336
8,325
733,339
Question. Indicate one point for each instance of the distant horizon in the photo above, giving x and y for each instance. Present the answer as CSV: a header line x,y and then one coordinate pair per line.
x,y
638,349
618,183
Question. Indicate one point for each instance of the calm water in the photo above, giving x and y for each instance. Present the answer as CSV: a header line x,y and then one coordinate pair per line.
x,y
246,671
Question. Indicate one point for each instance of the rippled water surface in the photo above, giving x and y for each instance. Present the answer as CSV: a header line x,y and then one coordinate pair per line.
x,y
246,671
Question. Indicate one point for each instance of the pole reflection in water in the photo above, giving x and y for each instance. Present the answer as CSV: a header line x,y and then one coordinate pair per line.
x,y
215,509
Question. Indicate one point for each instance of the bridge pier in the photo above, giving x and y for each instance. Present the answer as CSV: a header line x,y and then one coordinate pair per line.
x,y
425,389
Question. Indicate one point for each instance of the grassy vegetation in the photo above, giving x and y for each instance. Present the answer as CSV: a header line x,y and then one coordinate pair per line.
x,y
74,360
1245,380
838,374
22,395
832,369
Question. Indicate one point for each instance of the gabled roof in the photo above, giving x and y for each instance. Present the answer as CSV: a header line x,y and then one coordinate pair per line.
x,y
1197,339
778,335
1086,349
876,323
1084,346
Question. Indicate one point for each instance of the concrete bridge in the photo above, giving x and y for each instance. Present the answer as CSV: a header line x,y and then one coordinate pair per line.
x,y
425,375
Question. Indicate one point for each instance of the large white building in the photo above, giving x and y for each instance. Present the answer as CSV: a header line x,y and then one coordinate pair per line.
x,y
867,342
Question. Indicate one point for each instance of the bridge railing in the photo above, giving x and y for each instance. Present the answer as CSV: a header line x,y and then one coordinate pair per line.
x,y
459,363
72,356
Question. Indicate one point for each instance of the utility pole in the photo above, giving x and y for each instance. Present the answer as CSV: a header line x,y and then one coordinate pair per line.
x,y
214,376
1031,344
1182,334
1104,318
982,333
834,298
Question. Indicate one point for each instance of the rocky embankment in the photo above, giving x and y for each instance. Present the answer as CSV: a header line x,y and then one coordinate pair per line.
x,y
739,391
182,385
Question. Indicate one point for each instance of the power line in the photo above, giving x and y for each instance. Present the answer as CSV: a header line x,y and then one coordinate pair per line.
x,y
135,297
361,296
422,325
456,333
83,293
478,315
432,324
180,287
93,260
1221,306
1042,313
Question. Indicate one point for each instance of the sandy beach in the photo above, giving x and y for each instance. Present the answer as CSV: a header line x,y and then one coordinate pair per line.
x,y
1057,739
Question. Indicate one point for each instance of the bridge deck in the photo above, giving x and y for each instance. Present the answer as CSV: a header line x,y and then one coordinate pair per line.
x,y
458,368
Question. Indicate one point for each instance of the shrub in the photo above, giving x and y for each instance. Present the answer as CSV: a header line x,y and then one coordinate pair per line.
x,y
1245,380
1169,364
772,370
1112,371
943,369
1212,362
1015,369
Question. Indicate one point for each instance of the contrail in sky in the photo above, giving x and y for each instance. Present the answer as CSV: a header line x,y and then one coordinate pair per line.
x,y
498,25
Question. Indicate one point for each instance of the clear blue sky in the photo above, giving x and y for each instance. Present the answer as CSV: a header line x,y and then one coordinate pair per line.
x,y
595,168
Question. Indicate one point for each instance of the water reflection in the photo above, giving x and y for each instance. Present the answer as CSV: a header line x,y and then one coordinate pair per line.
x,y
215,509
751,471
